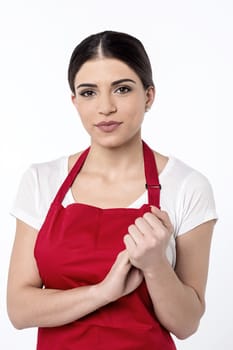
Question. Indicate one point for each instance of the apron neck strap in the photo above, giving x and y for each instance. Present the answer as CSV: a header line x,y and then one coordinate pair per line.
x,y
71,177
152,178
152,181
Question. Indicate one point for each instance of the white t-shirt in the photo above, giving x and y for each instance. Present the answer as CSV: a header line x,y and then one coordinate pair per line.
x,y
186,196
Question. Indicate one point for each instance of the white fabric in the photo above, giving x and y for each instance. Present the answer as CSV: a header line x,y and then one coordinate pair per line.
x,y
186,196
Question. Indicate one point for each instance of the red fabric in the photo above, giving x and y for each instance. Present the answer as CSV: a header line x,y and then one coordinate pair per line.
x,y
77,246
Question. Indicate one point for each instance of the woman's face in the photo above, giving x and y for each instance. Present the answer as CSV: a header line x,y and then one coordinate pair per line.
x,y
111,101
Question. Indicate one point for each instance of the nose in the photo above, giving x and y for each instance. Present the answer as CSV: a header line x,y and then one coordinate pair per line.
x,y
106,105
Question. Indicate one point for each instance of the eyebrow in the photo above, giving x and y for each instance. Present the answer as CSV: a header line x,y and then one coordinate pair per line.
x,y
114,83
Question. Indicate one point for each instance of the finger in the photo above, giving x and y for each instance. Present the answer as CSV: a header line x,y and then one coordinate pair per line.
x,y
154,221
135,276
129,244
135,234
160,215
122,258
160,229
143,226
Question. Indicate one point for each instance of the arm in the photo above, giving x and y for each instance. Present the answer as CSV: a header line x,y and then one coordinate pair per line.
x,y
30,305
177,296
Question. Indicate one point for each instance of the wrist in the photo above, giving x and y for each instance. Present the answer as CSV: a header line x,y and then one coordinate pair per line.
x,y
157,269
98,293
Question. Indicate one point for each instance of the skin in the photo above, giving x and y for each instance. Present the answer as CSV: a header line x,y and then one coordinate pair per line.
x,y
113,176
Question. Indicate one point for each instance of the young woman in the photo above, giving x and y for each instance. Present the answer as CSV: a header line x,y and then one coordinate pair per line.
x,y
112,243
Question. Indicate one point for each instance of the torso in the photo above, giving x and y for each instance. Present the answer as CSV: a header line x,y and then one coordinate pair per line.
x,y
100,191
78,244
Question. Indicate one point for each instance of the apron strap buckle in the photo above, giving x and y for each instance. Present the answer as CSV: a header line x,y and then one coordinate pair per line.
x,y
158,186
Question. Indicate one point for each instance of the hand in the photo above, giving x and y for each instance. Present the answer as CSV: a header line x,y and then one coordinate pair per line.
x,y
122,279
147,239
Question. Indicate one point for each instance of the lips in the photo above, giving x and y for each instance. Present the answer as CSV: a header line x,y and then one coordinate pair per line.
x,y
108,126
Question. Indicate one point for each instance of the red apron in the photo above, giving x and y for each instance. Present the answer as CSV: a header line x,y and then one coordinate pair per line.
x,y
77,246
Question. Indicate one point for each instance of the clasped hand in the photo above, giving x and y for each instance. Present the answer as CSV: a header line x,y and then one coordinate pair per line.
x,y
146,243
147,239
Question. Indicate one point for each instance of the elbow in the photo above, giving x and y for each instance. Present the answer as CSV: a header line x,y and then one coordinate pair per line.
x,y
187,329
191,326
186,333
16,317
16,322
18,309
17,325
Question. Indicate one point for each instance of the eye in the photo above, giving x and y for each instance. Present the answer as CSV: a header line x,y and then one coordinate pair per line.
x,y
87,93
123,90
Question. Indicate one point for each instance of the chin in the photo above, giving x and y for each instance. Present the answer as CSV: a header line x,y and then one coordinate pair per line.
x,y
108,143
115,141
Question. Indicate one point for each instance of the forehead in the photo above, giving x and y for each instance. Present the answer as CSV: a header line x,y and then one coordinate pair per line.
x,y
104,69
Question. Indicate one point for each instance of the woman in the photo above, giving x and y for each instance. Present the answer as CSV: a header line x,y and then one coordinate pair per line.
x,y
103,265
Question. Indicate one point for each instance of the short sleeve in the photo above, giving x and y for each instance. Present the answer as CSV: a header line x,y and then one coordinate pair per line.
x,y
196,204
26,204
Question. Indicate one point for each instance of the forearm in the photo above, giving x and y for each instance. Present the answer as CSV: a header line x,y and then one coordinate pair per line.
x,y
176,305
35,307
31,306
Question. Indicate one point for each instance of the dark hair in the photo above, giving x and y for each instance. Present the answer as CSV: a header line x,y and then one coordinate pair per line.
x,y
112,44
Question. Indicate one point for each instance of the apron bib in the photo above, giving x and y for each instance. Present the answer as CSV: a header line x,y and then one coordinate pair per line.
x,y
76,246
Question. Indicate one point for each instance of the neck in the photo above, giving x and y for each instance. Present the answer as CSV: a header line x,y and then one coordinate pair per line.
x,y
115,161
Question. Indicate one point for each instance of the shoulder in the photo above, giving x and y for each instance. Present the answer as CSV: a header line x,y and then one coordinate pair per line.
x,y
161,161
72,159
39,173
53,167
180,171
41,181
176,175
48,176
182,174
190,194
36,190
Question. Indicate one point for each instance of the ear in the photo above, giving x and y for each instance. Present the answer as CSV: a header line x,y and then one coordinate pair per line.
x,y
74,100
150,96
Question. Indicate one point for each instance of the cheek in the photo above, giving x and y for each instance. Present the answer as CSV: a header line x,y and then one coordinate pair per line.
x,y
134,106
136,110
85,111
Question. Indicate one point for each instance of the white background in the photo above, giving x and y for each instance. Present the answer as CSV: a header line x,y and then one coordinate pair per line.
x,y
190,46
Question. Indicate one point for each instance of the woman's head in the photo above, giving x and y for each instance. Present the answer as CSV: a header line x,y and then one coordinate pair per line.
x,y
111,44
